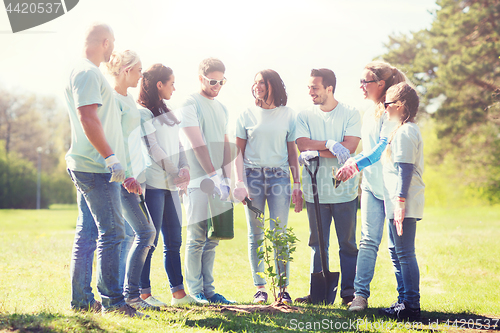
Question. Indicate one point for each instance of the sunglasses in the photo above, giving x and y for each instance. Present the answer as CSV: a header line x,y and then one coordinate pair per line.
x,y
386,104
364,82
213,82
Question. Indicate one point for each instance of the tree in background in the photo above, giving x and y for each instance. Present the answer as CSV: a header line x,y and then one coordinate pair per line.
x,y
456,67
26,123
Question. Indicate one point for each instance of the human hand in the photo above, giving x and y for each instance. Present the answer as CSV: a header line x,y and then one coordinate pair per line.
x,y
297,199
341,152
116,169
399,215
307,155
182,179
349,170
132,186
240,193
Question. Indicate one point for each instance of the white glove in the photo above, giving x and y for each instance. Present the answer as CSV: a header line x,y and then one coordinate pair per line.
x,y
341,152
116,169
221,188
307,155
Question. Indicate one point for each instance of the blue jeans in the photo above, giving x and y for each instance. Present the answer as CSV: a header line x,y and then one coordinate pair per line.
x,y
372,229
99,225
273,185
404,261
145,233
128,240
200,250
165,209
344,216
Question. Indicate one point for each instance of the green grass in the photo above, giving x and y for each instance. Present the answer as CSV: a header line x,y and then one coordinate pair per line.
x,y
457,251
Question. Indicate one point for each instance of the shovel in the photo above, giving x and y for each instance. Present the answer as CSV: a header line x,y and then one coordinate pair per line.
x,y
142,205
323,284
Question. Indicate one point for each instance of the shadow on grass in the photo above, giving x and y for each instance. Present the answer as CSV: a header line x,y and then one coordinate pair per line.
x,y
47,322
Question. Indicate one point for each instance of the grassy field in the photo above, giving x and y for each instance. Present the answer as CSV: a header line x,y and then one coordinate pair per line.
x,y
457,250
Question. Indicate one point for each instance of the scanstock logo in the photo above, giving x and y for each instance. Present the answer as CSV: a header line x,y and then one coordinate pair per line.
x,y
26,14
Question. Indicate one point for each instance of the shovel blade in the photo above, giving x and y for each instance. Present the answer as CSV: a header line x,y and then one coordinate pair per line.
x,y
324,288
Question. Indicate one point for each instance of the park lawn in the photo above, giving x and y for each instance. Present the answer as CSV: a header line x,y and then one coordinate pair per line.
x,y
457,250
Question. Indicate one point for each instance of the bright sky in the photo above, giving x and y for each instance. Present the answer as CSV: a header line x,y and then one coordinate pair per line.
x,y
289,36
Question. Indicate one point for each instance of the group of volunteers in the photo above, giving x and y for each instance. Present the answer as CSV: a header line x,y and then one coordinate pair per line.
x,y
133,160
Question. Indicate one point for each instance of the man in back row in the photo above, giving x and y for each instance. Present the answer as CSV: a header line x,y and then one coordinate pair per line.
x,y
93,162
332,131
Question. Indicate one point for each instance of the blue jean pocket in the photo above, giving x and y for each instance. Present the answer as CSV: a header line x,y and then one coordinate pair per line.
x,y
84,181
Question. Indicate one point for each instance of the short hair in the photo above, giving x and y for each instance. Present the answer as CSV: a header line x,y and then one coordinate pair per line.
x,y
97,32
210,65
328,76
273,79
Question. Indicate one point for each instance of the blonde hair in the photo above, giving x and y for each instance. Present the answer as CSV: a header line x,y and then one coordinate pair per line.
x,y
121,61
390,75
408,97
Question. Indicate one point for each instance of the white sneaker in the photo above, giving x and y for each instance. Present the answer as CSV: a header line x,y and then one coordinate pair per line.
x,y
139,304
183,301
358,304
155,302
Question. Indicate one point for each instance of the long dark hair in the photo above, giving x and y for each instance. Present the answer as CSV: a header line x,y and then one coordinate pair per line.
x,y
149,96
277,87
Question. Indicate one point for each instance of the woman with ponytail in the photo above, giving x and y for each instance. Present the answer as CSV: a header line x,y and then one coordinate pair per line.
x,y
126,69
403,166
376,78
167,173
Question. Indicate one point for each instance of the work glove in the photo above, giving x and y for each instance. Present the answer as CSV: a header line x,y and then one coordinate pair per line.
x,y
221,188
341,152
307,155
116,169
349,170
399,216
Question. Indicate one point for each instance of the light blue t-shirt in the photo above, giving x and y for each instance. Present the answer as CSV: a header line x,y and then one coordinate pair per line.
x,y
315,124
87,86
371,131
406,147
267,133
212,119
135,149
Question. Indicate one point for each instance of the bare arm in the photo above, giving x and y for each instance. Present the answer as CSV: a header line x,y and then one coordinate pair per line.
x,y
293,160
92,127
350,142
194,136
241,144
226,161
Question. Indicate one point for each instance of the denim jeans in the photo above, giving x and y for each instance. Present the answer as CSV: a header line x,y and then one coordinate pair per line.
x,y
128,240
145,233
200,250
165,209
273,185
99,225
372,229
344,216
404,261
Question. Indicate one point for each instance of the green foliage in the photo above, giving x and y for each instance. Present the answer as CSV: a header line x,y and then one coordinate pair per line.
x,y
456,67
280,244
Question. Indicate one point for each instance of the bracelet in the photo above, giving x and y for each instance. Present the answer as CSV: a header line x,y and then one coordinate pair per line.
x,y
401,199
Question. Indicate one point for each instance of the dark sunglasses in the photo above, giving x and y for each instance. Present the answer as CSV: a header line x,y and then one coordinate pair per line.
x,y
213,82
386,104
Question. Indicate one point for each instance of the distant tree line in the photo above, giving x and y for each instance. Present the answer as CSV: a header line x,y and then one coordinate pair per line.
x,y
28,122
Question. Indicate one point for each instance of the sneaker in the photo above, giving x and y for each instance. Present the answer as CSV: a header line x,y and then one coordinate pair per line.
x,y
404,312
125,310
188,299
94,307
347,300
155,302
139,304
304,300
286,298
389,312
200,298
218,298
260,297
358,304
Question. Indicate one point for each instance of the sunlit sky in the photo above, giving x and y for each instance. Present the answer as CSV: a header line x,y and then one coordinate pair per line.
x,y
289,36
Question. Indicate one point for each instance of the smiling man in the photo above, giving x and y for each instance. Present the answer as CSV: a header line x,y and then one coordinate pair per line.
x,y
332,131
204,123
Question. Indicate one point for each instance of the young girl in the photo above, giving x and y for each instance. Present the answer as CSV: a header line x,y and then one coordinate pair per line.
x,y
404,197
168,172
126,69
265,135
